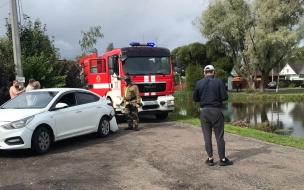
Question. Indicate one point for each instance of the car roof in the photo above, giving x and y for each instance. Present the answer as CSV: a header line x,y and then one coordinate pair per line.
x,y
60,89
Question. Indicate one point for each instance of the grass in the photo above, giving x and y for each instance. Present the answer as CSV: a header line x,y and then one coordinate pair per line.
x,y
246,132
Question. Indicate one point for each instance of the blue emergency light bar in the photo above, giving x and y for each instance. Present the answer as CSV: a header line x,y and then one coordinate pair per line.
x,y
151,44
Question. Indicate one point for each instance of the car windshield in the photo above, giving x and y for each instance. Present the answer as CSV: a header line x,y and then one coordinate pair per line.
x,y
147,65
31,100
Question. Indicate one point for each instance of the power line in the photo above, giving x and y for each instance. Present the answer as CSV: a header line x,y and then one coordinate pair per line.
x,y
4,4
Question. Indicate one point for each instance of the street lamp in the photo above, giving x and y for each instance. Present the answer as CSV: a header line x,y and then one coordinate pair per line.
x,y
277,89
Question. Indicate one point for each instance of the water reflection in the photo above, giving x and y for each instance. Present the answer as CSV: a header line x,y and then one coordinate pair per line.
x,y
277,117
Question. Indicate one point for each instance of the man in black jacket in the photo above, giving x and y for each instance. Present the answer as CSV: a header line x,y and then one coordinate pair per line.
x,y
211,92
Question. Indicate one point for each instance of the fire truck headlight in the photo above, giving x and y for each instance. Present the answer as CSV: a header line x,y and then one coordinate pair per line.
x,y
170,102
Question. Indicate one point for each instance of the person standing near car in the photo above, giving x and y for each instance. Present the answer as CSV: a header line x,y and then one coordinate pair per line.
x,y
36,85
211,92
131,102
15,89
30,85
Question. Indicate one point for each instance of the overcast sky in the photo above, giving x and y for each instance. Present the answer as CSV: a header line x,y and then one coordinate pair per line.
x,y
166,22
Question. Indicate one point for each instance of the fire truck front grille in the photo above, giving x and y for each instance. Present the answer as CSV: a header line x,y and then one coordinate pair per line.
x,y
152,87
147,107
149,98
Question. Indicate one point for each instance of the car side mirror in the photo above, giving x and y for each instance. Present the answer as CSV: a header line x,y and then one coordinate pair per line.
x,y
60,106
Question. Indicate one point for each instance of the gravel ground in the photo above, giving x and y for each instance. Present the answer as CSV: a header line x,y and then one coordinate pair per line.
x,y
163,155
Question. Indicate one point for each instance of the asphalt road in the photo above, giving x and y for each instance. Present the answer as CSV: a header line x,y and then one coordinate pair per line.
x,y
163,155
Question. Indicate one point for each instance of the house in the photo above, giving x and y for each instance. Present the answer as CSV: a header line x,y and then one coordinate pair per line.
x,y
233,74
273,76
293,71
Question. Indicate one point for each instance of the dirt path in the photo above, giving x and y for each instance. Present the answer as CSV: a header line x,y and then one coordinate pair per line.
x,y
166,155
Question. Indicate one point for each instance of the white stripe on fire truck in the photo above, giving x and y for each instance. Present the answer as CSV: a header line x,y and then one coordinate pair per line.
x,y
101,86
146,79
153,80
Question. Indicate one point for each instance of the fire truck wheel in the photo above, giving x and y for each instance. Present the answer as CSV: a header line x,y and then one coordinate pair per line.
x,y
161,116
103,128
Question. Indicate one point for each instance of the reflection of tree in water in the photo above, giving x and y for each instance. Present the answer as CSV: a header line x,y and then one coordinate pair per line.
x,y
251,114
297,113
248,114
188,108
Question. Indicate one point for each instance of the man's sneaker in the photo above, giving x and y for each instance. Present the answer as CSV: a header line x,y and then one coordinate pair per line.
x,y
209,162
226,162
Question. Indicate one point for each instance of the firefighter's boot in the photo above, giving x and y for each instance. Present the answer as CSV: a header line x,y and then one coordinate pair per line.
x,y
136,128
130,127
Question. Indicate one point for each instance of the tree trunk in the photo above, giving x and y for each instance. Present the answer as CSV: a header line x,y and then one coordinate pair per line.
x,y
250,82
264,80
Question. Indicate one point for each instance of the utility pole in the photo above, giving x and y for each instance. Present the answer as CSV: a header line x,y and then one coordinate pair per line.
x,y
16,42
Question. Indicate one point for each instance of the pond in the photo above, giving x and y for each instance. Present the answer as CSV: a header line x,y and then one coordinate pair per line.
x,y
286,118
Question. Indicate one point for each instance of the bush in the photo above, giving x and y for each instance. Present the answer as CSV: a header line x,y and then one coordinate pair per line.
x,y
193,74
176,79
291,85
282,84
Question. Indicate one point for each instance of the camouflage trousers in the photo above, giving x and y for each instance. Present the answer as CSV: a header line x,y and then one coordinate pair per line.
x,y
132,116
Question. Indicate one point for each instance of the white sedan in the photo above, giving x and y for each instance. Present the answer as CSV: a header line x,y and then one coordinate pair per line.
x,y
37,118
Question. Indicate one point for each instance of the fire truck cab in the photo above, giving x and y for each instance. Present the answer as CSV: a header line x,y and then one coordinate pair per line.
x,y
149,67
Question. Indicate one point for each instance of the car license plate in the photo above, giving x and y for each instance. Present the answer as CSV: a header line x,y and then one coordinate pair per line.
x,y
151,103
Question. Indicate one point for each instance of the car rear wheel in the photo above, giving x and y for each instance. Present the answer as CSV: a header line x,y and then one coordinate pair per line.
x,y
41,141
104,127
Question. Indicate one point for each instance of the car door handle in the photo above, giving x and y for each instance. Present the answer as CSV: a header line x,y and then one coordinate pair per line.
x,y
98,106
78,111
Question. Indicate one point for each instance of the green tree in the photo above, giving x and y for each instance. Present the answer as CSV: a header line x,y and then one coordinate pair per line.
x,y
89,39
216,55
33,39
297,54
213,52
110,47
7,69
44,70
260,33
193,74
73,72
39,55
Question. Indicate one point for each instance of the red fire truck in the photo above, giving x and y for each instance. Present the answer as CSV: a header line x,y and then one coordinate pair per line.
x,y
149,67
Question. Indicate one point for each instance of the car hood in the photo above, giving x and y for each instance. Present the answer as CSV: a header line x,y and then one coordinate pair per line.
x,y
9,115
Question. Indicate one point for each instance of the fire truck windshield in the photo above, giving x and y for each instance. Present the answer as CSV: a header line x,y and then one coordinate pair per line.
x,y
147,65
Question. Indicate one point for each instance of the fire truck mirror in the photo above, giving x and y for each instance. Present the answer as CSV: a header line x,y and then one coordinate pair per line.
x,y
123,57
111,63
177,62
178,70
111,72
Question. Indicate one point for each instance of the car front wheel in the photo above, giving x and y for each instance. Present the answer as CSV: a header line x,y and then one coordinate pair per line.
x,y
104,127
41,141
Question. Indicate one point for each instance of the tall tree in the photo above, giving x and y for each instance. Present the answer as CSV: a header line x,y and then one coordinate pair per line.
x,y
213,52
89,39
259,33
39,55
110,47
297,54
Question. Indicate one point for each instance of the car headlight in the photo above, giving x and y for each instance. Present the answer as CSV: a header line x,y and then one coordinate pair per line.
x,y
18,124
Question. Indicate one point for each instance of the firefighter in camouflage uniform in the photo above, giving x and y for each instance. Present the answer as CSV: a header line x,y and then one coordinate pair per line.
x,y
131,102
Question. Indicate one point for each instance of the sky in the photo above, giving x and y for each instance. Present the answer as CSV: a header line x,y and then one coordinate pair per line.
x,y
165,22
